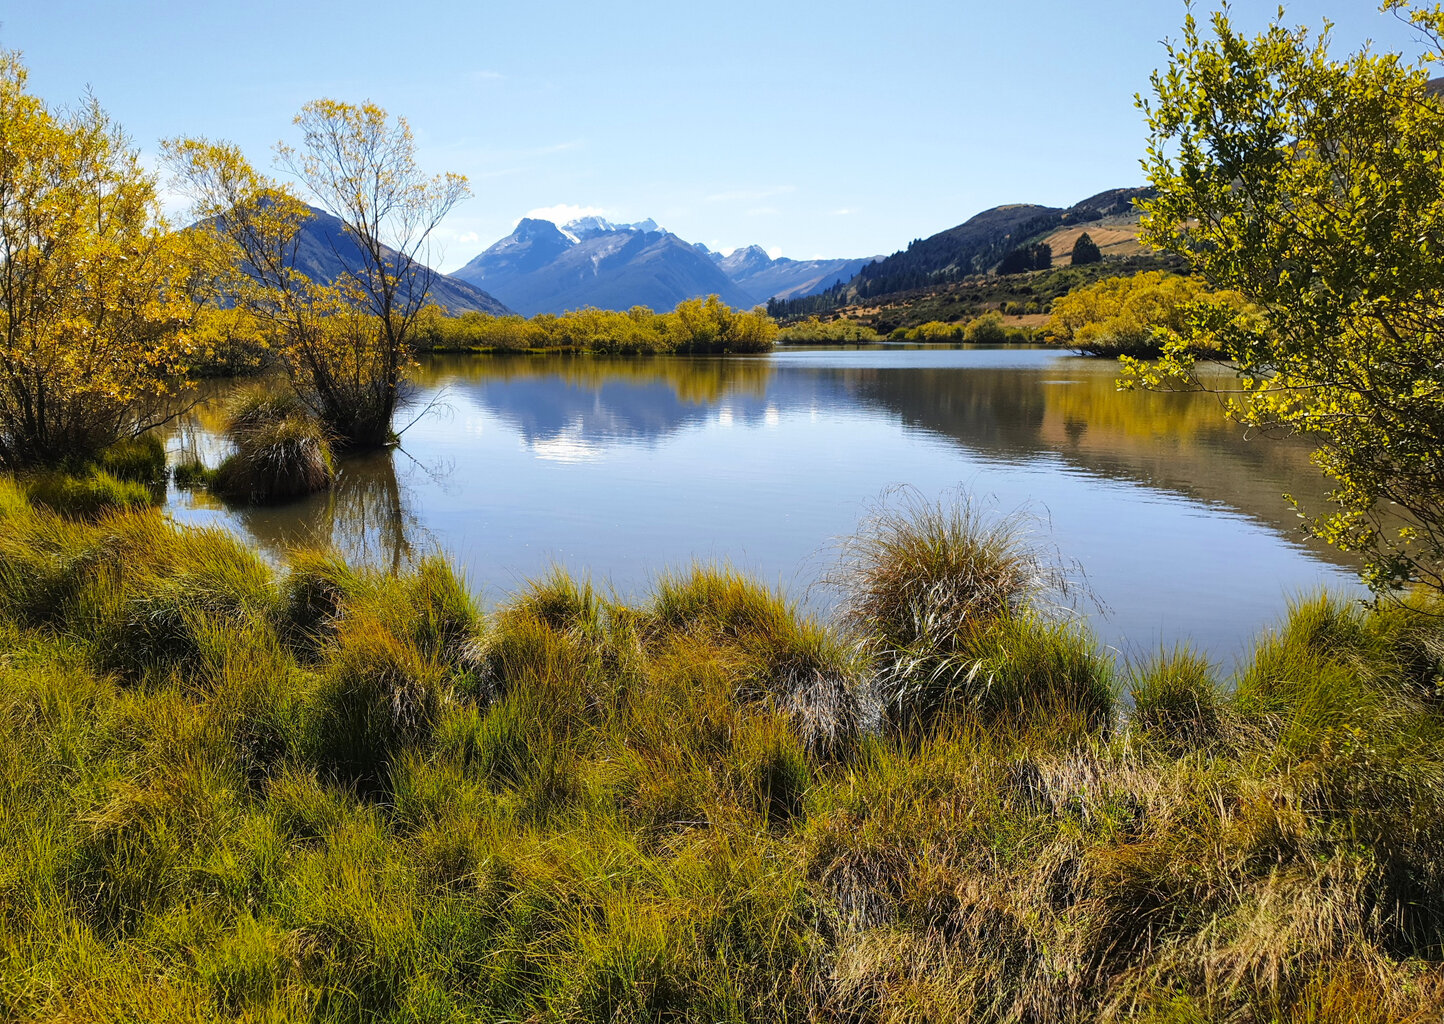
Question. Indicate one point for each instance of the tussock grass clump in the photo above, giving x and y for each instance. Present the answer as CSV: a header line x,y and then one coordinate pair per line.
x,y
281,450
90,496
947,608
275,462
916,569
377,697
801,667
313,593
192,474
721,601
563,604
1175,698
258,406
254,696
170,589
556,640
46,561
446,621
1024,666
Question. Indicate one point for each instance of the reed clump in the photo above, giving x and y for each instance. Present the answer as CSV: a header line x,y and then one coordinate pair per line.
x,y
235,791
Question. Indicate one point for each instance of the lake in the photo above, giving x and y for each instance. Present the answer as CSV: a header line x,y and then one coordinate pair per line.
x,y
621,468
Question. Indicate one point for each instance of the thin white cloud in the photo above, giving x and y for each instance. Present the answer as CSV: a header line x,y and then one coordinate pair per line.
x,y
452,246
472,153
484,76
505,172
751,195
842,213
563,213
560,147
763,211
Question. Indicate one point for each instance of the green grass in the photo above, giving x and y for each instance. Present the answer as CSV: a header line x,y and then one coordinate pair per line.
x,y
276,462
954,611
192,474
140,459
234,791
95,493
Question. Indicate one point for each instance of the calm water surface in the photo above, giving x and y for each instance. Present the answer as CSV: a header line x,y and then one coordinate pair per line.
x,y
623,468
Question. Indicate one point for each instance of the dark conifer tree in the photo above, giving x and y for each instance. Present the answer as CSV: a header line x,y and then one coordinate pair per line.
x,y
1085,251
1017,261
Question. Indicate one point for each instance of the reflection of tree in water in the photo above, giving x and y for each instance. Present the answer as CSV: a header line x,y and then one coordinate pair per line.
x,y
693,379
368,515
1067,414
1176,442
365,516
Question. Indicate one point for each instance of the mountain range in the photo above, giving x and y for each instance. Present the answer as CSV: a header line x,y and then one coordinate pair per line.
x,y
767,278
324,250
543,268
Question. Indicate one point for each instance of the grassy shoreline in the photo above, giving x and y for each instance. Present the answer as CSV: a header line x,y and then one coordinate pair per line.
x,y
235,792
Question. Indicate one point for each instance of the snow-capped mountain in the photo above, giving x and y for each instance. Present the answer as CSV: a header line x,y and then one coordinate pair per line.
x,y
540,268
591,261
589,227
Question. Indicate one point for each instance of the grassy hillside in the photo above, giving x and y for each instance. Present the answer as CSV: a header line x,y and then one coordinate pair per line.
x,y
976,247
1016,295
233,791
1116,237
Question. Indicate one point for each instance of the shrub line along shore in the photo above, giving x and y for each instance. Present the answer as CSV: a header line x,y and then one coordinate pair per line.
x,y
233,791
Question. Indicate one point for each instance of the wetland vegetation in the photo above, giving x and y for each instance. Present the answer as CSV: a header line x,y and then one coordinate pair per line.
x,y
239,791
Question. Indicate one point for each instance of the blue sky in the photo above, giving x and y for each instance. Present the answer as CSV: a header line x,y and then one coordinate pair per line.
x,y
811,129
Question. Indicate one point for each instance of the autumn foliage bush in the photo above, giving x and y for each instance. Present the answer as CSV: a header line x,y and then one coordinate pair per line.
x,y
694,326
99,293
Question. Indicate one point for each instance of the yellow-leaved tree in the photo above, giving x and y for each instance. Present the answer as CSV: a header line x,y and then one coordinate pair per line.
x,y
346,343
1313,186
96,295
1138,315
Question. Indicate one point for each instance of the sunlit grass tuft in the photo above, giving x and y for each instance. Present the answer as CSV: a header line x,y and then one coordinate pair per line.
x,y
950,608
276,462
1176,699
140,459
90,496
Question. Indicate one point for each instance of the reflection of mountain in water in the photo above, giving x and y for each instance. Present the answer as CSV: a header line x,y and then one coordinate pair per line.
x,y
548,409
584,401
1055,413
1176,443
